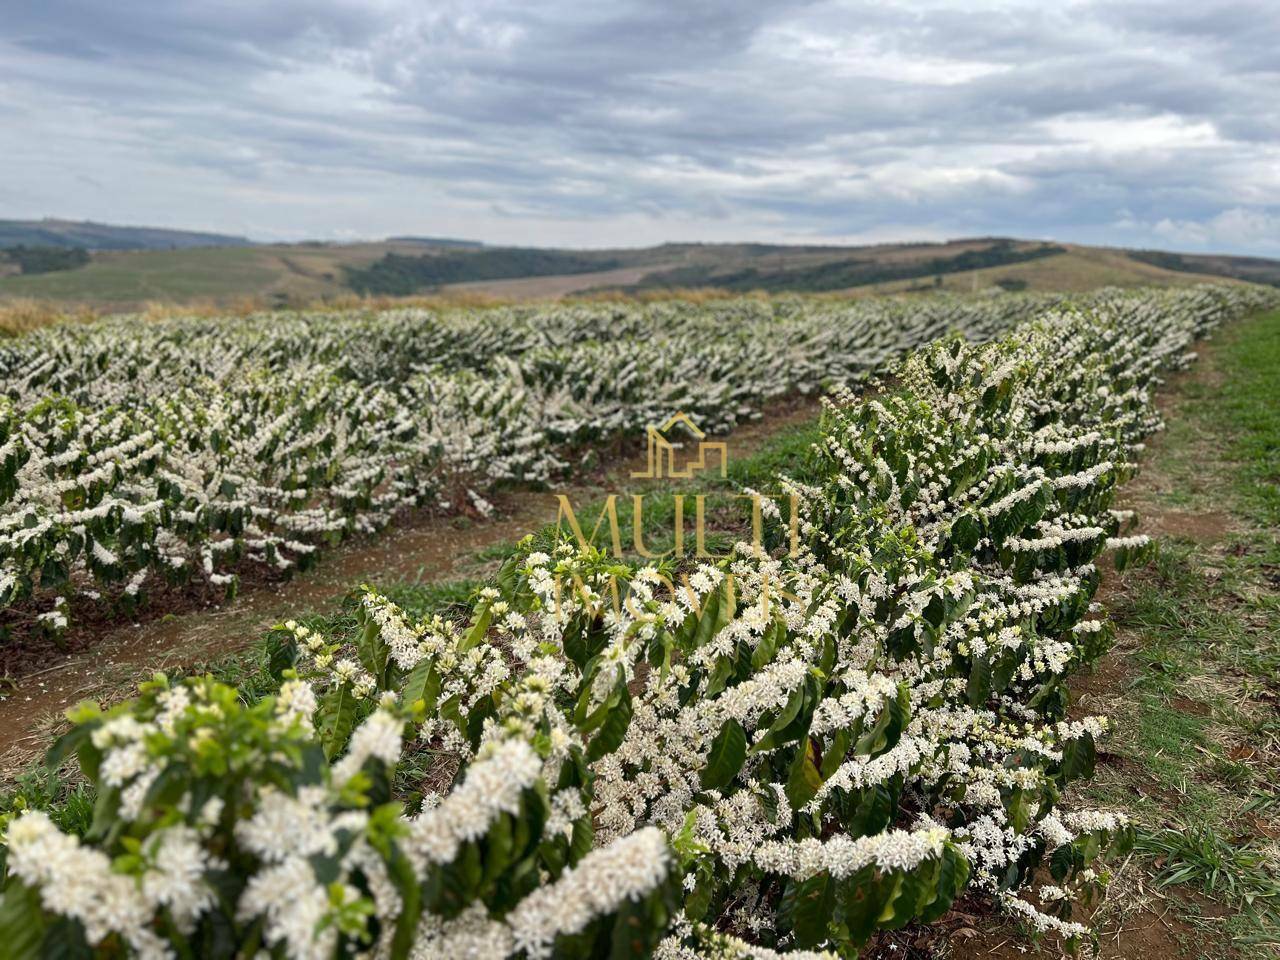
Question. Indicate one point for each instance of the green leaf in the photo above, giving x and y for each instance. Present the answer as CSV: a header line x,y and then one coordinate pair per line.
x,y
1078,758
499,847
614,729
979,686
836,750
768,798
698,901
1018,810
914,888
719,677
966,531
639,926
768,646
728,753
874,810
864,897
804,778
478,630
70,742
582,840
814,903
105,809
953,873
372,650
717,611
785,727
451,711
888,726
64,940
422,683
337,715
581,644
22,921
282,653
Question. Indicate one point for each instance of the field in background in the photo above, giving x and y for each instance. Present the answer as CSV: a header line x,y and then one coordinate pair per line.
x,y
293,275
224,275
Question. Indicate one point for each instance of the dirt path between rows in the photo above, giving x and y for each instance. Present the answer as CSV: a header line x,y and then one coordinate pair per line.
x,y
426,549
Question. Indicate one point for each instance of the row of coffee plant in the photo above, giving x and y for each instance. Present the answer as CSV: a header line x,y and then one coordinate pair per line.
x,y
783,752
134,453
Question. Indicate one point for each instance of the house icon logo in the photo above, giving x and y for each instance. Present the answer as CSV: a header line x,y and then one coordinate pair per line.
x,y
663,461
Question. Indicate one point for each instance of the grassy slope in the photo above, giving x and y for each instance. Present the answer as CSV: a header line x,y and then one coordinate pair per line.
x,y
302,272
1254,269
1080,268
219,274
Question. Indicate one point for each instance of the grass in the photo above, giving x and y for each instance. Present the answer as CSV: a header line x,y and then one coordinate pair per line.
x,y
1196,756
1249,407
150,274
1198,855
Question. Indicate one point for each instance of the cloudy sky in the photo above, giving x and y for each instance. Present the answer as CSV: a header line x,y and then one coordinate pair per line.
x,y
627,123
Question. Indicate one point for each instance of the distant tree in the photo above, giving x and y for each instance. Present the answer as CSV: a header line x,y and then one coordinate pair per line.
x,y
46,259
397,274
1012,284
851,271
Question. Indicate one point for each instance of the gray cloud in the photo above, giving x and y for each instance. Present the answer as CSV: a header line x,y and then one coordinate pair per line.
x,y
627,122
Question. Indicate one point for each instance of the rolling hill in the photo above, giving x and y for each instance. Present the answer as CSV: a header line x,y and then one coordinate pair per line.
x,y
291,274
1255,269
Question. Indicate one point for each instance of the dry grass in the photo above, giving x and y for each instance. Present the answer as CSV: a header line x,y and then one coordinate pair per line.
x,y
248,306
19,316
663,294
444,300
25,315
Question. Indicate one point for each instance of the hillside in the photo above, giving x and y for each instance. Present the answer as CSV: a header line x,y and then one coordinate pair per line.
x,y
117,280
1076,268
1255,269
959,265
290,274
103,236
